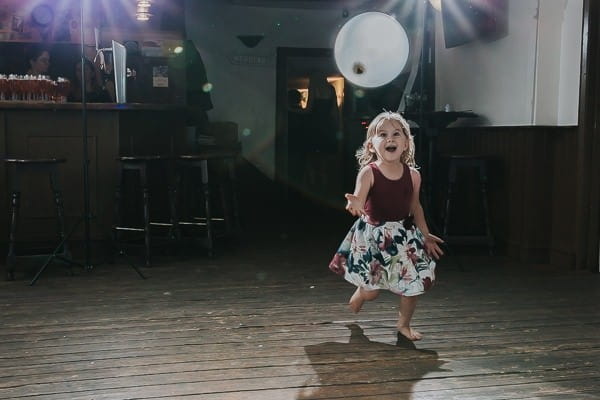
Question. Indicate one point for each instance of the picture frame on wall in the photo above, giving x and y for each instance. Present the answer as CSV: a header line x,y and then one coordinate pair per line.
x,y
17,23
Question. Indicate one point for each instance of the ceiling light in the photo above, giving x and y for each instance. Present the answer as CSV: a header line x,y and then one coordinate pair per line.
x,y
143,10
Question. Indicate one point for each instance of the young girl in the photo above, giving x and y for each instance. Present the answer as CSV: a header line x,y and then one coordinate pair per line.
x,y
389,246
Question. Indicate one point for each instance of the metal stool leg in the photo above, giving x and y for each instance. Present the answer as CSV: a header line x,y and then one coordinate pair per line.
x,y
116,234
486,211
450,193
60,211
227,212
15,202
207,207
234,199
14,216
174,180
146,202
176,211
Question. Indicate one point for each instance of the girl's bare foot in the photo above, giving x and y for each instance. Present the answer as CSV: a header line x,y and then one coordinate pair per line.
x,y
356,301
410,333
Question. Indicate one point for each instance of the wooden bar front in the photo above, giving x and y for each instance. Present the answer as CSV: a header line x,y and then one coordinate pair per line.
x,y
31,130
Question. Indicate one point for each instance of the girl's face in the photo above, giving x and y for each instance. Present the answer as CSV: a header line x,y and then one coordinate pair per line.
x,y
389,141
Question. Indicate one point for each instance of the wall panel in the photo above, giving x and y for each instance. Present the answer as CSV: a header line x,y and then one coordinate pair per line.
x,y
531,183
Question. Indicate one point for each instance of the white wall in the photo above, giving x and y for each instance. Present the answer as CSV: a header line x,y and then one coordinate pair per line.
x,y
530,77
559,60
496,79
246,93
547,77
570,63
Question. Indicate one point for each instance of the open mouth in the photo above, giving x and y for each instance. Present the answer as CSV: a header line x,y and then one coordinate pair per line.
x,y
391,149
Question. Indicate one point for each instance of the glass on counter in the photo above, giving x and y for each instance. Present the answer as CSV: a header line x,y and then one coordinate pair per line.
x,y
33,88
63,87
3,87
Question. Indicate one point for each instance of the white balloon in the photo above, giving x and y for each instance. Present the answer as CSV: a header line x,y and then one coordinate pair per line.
x,y
371,49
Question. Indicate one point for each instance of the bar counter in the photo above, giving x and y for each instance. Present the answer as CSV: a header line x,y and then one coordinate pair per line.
x,y
46,105
55,130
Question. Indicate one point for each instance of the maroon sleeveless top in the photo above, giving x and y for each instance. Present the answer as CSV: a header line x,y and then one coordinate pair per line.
x,y
389,200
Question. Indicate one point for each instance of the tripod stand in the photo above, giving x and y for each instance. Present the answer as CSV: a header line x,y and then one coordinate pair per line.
x,y
85,170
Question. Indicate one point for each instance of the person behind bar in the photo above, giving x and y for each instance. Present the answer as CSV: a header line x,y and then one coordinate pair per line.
x,y
198,89
389,246
95,92
38,60
298,145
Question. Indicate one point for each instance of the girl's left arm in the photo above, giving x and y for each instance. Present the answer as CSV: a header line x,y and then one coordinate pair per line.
x,y
431,241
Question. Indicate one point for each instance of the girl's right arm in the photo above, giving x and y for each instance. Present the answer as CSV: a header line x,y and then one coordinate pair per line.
x,y
356,201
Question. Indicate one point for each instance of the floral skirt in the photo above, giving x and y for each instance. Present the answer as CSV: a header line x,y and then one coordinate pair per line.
x,y
388,256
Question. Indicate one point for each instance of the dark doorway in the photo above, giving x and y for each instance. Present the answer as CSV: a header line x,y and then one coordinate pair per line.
x,y
309,142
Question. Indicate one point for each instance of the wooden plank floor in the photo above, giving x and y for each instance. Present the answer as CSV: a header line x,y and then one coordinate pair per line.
x,y
267,320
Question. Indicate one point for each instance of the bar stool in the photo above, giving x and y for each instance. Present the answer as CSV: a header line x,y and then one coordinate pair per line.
x,y
18,168
141,166
201,161
456,163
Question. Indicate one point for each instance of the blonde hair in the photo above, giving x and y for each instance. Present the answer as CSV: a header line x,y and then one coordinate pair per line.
x,y
365,157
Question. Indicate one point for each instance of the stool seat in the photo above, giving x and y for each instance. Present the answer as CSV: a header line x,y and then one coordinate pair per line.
x,y
465,156
34,161
143,159
209,155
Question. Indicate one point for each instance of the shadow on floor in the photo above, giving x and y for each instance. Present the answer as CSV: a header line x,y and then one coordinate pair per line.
x,y
350,369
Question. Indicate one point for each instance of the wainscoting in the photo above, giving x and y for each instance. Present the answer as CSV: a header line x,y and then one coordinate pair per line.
x,y
532,186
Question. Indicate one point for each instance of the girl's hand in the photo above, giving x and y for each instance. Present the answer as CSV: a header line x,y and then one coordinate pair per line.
x,y
354,205
432,246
